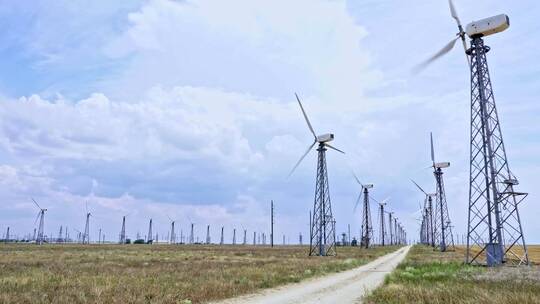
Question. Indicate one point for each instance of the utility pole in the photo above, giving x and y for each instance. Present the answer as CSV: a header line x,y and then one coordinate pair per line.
x,y
349,232
272,223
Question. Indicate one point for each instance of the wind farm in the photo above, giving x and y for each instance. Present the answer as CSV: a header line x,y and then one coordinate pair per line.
x,y
280,152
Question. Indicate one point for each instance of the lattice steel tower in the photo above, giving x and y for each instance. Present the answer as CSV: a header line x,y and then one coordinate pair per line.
x,y
150,239
367,229
382,232
494,222
123,231
323,231
86,235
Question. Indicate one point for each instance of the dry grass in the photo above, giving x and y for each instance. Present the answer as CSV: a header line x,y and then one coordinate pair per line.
x,y
427,276
157,273
534,253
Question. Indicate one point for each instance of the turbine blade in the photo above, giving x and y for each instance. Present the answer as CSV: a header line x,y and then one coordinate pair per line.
x,y
432,151
419,187
357,201
465,48
334,148
35,222
373,199
305,116
356,178
36,204
453,12
302,158
447,48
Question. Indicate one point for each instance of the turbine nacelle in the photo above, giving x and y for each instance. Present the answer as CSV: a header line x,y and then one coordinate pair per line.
x,y
367,186
441,165
488,26
325,138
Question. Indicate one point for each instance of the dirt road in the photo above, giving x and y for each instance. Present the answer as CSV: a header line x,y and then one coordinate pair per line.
x,y
344,287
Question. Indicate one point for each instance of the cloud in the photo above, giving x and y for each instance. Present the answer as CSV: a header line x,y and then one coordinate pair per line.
x,y
267,49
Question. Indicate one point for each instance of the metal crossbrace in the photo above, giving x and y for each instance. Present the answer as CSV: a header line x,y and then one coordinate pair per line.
x,y
493,218
323,236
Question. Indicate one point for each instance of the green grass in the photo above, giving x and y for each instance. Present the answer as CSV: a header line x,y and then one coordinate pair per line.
x,y
158,273
427,276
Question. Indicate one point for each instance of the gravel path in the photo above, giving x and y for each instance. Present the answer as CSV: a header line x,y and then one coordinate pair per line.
x,y
344,287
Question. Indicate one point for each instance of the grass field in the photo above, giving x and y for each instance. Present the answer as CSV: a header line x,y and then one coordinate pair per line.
x,y
427,276
158,273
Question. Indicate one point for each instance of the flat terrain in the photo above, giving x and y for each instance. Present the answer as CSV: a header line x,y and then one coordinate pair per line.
x,y
427,276
345,287
159,273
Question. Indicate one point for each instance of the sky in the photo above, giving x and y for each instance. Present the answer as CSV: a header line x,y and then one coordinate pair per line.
x,y
185,110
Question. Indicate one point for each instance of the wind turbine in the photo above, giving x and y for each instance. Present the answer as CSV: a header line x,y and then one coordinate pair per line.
x,y
423,223
41,216
244,241
208,235
150,238
172,239
442,228
191,235
123,230
79,235
221,240
366,230
430,225
494,223
86,235
323,233
390,230
382,232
